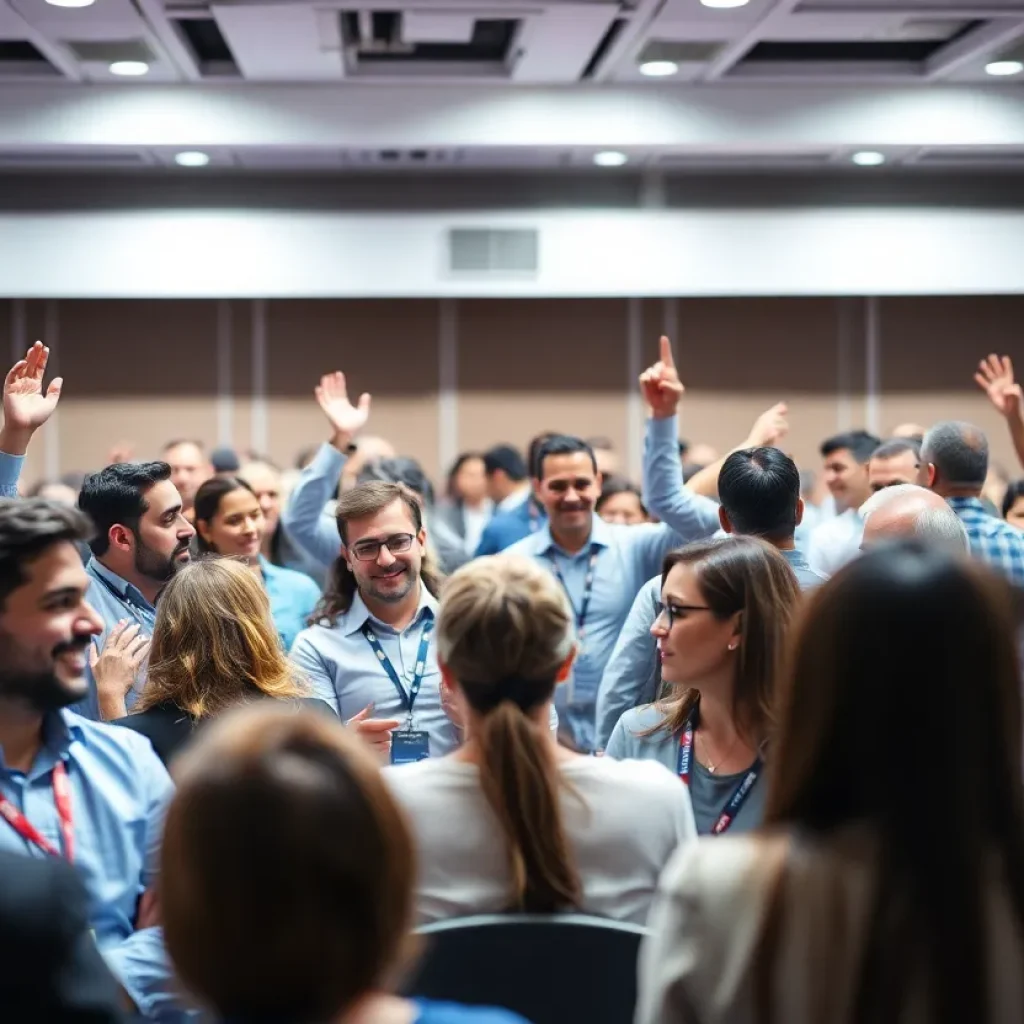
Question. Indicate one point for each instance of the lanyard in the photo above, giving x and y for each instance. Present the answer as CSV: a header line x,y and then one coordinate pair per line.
x,y
408,699
588,587
534,514
739,794
28,832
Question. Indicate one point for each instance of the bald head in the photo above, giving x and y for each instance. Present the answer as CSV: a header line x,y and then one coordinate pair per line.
x,y
907,510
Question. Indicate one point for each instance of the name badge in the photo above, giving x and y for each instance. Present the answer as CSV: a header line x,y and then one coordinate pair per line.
x,y
409,746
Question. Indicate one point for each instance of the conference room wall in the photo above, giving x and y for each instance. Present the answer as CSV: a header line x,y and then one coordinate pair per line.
x,y
449,375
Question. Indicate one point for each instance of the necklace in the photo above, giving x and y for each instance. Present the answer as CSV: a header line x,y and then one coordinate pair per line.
x,y
713,767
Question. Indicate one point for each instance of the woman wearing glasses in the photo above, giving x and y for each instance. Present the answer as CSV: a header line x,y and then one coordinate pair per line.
x,y
726,608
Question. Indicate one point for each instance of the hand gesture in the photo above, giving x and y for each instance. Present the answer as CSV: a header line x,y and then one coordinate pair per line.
x,y
26,407
344,417
116,667
375,731
660,385
995,378
769,428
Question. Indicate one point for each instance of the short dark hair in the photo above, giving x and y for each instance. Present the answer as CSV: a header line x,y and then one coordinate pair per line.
x,y
897,446
534,447
116,495
399,470
859,443
759,489
612,485
959,451
1013,492
208,498
28,526
507,459
560,444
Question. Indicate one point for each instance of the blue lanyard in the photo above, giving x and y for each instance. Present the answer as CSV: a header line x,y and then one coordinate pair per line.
x,y
126,599
588,587
408,699
739,794
534,514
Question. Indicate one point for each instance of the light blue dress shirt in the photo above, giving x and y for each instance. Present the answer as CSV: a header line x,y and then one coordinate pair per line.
x,y
114,599
343,670
119,796
632,677
10,470
293,596
628,556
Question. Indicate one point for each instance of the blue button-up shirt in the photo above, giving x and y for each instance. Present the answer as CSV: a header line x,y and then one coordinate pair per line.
x,y
627,557
114,599
293,596
631,677
10,470
340,664
992,540
119,796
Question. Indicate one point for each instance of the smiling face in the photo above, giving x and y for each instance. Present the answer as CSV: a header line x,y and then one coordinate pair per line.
x,y
46,626
161,541
386,576
236,528
568,488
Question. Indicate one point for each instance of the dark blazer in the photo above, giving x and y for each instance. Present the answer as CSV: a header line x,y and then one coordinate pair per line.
x,y
170,729
50,968
505,528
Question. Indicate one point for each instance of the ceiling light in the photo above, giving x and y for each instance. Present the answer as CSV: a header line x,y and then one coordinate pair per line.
x,y
1003,68
725,3
610,158
659,68
868,158
129,68
71,3
191,158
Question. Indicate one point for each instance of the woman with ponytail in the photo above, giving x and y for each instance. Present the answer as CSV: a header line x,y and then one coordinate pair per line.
x,y
511,821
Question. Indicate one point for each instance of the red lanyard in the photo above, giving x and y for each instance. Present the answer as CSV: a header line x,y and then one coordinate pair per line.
x,y
62,799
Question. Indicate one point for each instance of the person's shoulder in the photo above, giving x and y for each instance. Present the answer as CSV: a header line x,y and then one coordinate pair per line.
x,y
720,870
315,704
642,775
425,777
639,719
129,748
529,546
454,1013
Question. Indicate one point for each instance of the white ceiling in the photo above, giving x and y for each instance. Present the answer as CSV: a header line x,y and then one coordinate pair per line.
x,y
470,54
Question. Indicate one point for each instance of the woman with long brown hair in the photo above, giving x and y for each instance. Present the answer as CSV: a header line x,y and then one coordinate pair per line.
x,y
888,884
286,878
511,820
726,610
214,647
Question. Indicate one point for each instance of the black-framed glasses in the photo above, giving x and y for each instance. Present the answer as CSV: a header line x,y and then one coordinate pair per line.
x,y
674,612
369,550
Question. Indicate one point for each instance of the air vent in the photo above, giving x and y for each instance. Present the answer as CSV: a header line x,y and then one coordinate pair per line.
x,y
969,157
844,52
493,251
19,58
741,161
85,158
679,53
209,47
109,51
400,157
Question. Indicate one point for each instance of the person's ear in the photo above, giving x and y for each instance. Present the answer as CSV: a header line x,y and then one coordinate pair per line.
x,y
799,511
120,537
447,676
723,519
566,667
737,632
422,538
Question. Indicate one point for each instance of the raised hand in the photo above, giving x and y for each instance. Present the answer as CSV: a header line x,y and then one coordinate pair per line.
x,y
660,384
116,667
345,418
995,378
769,428
26,406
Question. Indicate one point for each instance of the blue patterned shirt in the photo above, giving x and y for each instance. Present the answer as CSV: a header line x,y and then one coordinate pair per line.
x,y
992,540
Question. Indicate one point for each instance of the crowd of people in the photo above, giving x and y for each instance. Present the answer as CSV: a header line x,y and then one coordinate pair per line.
x,y
257,727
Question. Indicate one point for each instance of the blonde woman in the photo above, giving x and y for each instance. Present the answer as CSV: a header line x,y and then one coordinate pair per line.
x,y
214,647
540,828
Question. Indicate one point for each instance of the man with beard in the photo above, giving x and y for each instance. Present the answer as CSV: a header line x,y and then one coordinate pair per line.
x,y
142,538
71,788
371,650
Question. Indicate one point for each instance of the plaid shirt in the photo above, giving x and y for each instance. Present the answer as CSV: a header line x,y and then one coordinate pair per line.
x,y
992,540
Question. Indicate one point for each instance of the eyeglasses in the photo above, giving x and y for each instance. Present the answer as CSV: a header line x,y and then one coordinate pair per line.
x,y
369,550
674,612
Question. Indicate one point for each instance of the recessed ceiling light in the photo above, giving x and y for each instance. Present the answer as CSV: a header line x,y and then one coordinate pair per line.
x,y
610,158
71,3
191,158
659,68
868,158
725,3
1003,68
129,68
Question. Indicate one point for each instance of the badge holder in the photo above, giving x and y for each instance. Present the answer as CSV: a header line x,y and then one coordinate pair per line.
x,y
409,745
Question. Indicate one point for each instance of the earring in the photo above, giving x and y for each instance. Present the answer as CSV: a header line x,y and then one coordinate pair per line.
x,y
732,647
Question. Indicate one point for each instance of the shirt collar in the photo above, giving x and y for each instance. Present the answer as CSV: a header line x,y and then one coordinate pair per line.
x,y
122,588
963,502
796,558
601,534
358,614
60,730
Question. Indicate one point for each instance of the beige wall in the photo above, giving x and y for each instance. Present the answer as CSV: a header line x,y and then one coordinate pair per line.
x,y
467,374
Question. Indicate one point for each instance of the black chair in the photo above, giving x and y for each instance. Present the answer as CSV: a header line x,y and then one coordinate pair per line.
x,y
549,969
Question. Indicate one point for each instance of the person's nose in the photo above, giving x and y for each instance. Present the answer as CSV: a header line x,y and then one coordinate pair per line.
x,y
186,531
659,628
91,620
384,557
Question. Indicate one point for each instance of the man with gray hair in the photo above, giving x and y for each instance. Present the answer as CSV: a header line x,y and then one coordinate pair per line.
x,y
906,510
954,463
